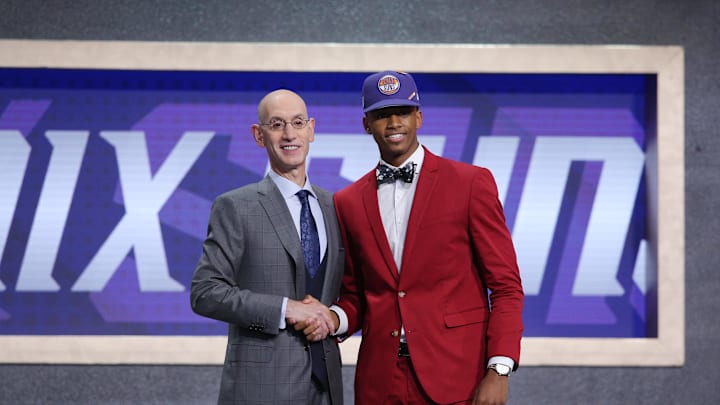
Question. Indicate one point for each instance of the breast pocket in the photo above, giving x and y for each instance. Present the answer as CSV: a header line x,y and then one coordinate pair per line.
x,y
443,220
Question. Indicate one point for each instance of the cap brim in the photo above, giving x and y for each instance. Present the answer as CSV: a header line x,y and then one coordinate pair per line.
x,y
391,103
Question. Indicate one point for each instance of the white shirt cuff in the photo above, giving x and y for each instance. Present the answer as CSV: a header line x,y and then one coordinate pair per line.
x,y
342,316
283,324
502,360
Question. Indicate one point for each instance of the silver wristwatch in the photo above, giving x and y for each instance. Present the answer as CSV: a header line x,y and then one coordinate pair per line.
x,y
501,369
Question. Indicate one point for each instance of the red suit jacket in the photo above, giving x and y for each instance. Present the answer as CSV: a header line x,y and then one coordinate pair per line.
x,y
457,248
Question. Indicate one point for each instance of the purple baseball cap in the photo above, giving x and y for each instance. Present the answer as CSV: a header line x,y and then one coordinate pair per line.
x,y
389,89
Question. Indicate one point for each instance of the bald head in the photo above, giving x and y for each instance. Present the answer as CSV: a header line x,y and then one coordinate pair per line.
x,y
280,100
285,131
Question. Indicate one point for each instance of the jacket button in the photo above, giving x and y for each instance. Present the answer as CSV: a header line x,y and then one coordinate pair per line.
x,y
401,294
395,333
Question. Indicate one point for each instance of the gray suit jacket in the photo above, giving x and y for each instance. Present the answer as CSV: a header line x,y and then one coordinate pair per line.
x,y
251,259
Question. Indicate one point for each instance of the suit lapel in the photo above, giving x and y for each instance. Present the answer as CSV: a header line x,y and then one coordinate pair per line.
x,y
332,236
370,200
277,211
421,201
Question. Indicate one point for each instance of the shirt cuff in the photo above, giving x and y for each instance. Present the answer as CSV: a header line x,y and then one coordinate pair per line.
x,y
502,360
283,324
342,317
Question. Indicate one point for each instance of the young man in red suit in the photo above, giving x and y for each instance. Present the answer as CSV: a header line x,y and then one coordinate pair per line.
x,y
431,274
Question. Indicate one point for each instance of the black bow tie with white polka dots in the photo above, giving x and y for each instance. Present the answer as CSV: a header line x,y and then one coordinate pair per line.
x,y
386,174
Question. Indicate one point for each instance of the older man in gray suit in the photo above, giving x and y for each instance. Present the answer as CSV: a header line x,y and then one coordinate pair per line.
x,y
271,264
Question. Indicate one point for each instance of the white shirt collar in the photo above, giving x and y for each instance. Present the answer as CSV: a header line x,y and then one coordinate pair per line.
x,y
287,188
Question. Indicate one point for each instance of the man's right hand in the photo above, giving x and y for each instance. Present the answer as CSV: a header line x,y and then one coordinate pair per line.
x,y
311,316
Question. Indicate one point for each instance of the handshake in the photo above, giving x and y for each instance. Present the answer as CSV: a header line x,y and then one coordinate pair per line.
x,y
311,317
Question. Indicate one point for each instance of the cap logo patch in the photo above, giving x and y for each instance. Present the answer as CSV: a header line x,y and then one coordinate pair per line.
x,y
388,85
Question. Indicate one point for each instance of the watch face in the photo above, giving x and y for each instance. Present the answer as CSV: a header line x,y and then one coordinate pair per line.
x,y
501,369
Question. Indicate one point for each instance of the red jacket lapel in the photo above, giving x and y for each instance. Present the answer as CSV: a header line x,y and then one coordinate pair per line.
x,y
421,201
370,201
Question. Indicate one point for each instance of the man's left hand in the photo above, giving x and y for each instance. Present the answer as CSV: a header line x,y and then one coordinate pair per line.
x,y
492,390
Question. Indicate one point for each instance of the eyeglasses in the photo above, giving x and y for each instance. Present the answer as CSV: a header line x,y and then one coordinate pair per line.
x,y
277,124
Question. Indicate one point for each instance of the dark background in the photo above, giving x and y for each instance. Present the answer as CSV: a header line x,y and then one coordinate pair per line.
x,y
692,24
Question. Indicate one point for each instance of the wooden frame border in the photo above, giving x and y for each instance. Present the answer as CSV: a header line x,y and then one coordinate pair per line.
x,y
667,62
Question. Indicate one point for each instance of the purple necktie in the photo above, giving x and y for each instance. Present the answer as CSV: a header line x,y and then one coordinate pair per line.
x,y
309,235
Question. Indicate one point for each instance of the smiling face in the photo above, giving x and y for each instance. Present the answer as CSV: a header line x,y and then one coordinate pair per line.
x,y
395,132
287,147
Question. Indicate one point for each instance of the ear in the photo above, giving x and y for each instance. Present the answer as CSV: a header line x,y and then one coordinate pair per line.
x,y
418,118
258,135
366,125
311,128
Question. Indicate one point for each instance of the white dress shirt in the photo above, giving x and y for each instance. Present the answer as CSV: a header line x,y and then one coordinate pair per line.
x,y
395,201
288,189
